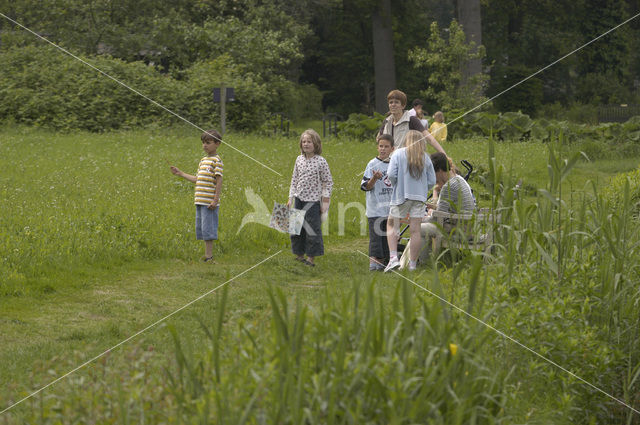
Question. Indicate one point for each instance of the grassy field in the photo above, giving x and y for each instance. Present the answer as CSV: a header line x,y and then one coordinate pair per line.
x,y
97,243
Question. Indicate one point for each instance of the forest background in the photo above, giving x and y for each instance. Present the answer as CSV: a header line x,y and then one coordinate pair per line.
x,y
309,57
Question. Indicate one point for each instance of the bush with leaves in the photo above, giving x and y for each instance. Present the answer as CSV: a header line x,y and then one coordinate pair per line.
x,y
614,192
361,127
606,140
42,87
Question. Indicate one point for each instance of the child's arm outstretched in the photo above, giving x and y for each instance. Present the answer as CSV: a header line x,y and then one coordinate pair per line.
x,y
178,172
433,142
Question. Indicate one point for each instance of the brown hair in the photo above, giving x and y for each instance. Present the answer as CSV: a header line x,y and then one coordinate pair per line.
x,y
397,94
441,162
211,136
387,137
315,138
415,144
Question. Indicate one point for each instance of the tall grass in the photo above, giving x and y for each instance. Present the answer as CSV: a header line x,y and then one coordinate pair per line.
x,y
571,265
355,361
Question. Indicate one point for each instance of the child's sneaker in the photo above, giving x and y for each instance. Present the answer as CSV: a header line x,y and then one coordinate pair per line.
x,y
394,263
208,260
375,267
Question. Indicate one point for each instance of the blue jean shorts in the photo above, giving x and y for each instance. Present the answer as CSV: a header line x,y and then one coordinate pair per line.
x,y
206,223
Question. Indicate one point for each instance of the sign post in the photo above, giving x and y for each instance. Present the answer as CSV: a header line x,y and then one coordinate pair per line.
x,y
223,109
223,95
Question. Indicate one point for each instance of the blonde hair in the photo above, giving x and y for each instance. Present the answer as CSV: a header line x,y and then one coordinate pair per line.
x,y
315,138
437,115
415,143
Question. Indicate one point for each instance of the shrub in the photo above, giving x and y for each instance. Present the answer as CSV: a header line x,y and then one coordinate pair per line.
x,y
42,87
360,126
614,192
251,97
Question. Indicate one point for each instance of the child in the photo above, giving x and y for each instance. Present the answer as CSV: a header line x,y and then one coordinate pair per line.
x,y
378,188
310,191
208,186
438,127
411,173
419,112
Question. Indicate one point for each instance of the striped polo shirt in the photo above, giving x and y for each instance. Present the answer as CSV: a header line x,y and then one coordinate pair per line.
x,y
209,168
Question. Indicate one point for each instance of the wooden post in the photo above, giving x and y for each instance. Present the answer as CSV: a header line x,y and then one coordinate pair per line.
x,y
223,111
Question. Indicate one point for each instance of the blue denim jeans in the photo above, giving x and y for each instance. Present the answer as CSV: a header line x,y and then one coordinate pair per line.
x,y
206,223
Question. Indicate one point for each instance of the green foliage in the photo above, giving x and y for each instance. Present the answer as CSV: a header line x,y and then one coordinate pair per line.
x,y
614,192
574,112
43,87
508,126
276,125
361,127
606,140
252,96
255,48
508,81
522,37
584,250
441,60
170,35
355,360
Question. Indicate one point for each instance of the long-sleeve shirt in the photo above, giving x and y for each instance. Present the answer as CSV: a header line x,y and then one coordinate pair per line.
x,y
406,186
311,179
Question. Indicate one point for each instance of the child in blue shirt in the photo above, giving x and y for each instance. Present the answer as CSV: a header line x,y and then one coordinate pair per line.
x,y
378,188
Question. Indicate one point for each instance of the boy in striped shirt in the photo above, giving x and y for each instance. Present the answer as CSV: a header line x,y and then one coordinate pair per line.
x,y
208,182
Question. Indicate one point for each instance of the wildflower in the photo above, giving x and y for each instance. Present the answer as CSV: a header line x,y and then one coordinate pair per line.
x,y
453,348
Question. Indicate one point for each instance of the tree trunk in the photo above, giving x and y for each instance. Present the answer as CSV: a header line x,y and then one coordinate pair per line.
x,y
469,17
384,66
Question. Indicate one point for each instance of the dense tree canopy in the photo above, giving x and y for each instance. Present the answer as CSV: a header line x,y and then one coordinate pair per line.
x,y
281,44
